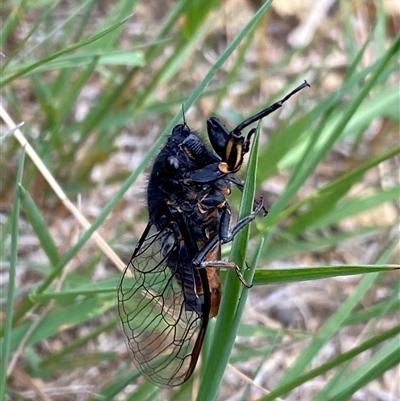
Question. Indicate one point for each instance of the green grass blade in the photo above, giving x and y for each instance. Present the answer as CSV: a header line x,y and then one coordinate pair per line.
x,y
331,326
7,330
34,66
324,198
271,276
296,381
232,304
39,225
57,320
346,382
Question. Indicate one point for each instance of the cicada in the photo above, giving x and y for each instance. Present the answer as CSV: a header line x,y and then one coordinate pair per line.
x,y
171,288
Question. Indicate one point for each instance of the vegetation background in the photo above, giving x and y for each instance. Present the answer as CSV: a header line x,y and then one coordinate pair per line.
x,y
98,86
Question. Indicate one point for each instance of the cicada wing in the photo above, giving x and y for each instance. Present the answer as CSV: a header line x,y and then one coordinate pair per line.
x,y
162,331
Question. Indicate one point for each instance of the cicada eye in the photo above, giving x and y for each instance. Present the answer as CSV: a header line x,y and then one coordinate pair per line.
x,y
171,164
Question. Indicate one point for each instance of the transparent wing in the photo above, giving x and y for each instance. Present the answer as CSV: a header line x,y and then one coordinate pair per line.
x,y
163,331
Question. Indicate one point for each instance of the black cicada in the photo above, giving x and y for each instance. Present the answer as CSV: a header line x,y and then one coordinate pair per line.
x,y
171,287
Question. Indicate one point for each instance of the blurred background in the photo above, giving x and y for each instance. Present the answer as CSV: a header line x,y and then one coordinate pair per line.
x,y
99,85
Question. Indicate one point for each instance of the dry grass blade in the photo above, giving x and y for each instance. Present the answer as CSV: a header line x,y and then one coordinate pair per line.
x,y
84,223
